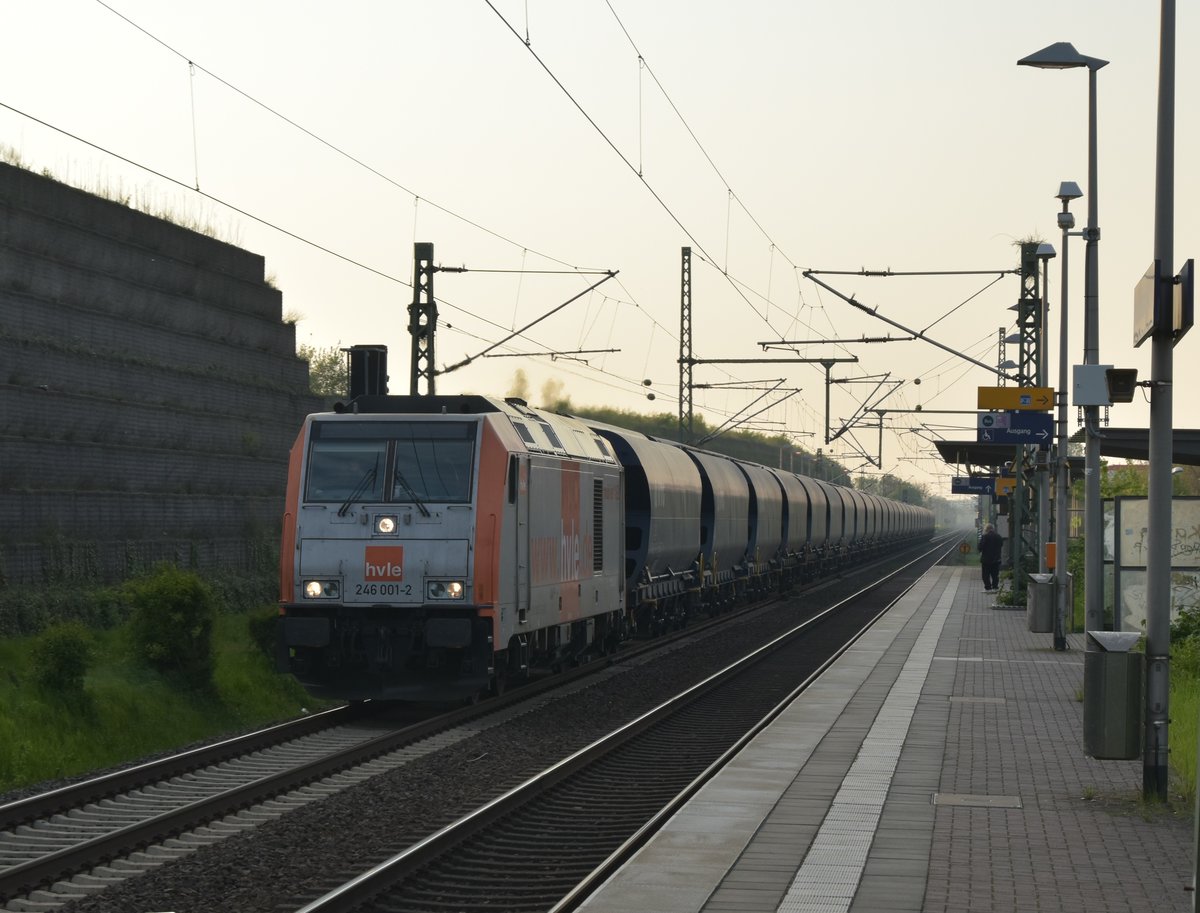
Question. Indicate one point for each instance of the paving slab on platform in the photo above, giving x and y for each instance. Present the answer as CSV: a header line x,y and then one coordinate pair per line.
x,y
937,766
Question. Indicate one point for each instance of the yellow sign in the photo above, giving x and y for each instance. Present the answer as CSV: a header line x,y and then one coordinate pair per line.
x,y
1034,398
1005,485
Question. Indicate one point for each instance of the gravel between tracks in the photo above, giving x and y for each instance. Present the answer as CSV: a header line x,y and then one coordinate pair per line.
x,y
282,864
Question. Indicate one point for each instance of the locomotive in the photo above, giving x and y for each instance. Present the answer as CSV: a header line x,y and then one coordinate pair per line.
x,y
438,547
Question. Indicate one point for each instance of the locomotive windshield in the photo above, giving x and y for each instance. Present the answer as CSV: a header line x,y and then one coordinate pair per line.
x,y
424,461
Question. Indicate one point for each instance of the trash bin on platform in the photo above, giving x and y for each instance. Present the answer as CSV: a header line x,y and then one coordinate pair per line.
x,y
1112,696
1039,604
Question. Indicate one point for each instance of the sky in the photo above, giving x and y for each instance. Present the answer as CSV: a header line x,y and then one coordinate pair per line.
x,y
541,143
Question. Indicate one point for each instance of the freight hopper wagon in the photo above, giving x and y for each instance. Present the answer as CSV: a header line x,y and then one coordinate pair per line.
x,y
435,547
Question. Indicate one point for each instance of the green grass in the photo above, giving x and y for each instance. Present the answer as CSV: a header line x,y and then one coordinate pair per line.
x,y
127,711
1184,703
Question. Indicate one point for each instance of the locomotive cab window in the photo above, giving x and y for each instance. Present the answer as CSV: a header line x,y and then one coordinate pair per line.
x,y
433,462
391,462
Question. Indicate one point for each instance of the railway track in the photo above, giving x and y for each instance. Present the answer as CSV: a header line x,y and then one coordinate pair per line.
x,y
546,843
180,803
81,839
54,834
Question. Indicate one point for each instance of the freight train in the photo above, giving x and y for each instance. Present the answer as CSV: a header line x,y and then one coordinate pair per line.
x,y
439,547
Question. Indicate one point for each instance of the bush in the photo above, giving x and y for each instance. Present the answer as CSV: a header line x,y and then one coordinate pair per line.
x,y
28,610
262,625
61,658
172,625
238,593
1186,625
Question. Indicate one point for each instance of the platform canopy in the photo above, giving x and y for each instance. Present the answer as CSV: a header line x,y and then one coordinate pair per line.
x,y
1134,444
1127,443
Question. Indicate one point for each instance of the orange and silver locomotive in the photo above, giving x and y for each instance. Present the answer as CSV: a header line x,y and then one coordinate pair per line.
x,y
434,547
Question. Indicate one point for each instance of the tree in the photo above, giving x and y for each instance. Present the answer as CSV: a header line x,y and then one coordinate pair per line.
x,y
554,397
328,374
1129,479
519,387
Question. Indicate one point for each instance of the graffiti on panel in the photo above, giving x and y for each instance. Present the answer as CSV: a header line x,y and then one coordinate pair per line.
x,y
1133,522
1185,594
1126,533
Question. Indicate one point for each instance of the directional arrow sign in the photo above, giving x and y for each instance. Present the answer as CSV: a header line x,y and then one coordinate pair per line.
x,y
973,485
1015,428
1028,398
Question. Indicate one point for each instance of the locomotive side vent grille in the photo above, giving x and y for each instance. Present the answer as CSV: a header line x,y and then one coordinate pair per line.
x,y
597,525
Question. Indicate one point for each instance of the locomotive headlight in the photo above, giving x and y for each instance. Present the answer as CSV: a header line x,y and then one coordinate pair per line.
x,y
385,525
445,589
321,589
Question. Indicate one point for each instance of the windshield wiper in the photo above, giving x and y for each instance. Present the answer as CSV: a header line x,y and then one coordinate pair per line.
x,y
408,489
367,480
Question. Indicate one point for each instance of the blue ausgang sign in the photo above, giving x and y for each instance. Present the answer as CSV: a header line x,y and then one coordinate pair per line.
x,y
1016,428
973,485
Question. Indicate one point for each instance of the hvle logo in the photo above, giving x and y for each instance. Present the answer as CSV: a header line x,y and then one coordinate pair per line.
x,y
384,562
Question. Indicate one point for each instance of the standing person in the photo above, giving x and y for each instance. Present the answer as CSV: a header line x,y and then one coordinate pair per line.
x,y
991,543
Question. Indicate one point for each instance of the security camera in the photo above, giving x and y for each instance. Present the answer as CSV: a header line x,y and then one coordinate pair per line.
x,y
1121,383
1066,220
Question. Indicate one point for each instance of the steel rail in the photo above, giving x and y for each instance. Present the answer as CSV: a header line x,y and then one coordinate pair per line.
x,y
365,887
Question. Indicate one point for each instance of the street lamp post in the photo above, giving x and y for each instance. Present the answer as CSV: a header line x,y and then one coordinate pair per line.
x,y
1045,253
1067,191
1061,56
1158,540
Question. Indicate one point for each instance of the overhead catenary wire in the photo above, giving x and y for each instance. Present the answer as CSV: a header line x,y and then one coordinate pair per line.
x,y
317,137
771,309
267,223
337,149
417,198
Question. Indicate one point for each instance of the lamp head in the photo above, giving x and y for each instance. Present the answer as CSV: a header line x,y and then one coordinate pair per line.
x,y
1060,56
1068,190
1045,251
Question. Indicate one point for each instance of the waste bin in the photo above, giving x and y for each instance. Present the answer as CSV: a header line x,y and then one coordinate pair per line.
x,y
1039,604
1112,696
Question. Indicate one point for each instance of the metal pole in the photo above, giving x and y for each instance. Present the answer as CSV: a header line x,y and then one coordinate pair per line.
x,y
687,427
422,323
1043,471
1062,485
1158,540
1093,554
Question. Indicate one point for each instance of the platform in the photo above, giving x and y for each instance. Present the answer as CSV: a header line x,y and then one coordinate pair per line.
x,y
937,766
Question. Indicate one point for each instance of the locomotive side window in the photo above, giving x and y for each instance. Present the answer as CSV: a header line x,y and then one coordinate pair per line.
x,y
402,462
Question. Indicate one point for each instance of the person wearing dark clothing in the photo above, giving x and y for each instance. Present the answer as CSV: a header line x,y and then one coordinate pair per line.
x,y
991,543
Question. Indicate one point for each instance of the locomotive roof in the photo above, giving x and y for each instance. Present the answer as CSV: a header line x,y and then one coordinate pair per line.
x,y
468,404
540,431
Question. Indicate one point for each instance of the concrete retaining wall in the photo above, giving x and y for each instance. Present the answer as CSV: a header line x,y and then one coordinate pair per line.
x,y
149,391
